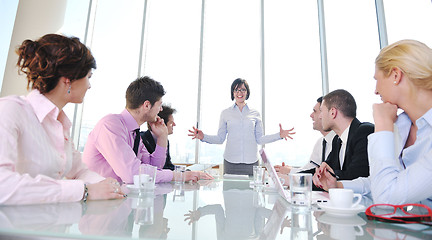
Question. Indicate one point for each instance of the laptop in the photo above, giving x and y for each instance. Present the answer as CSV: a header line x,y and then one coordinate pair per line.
x,y
317,196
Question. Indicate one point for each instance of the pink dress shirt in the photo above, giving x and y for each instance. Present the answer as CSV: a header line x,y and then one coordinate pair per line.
x,y
109,150
38,162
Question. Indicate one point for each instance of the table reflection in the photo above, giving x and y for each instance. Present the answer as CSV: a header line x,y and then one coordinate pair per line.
x,y
117,217
239,212
55,218
242,216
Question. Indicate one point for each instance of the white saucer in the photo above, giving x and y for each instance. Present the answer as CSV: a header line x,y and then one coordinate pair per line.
x,y
341,212
266,187
133,187
354,220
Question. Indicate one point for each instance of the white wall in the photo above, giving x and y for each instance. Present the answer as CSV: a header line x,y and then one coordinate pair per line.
x,y
33,20
8,9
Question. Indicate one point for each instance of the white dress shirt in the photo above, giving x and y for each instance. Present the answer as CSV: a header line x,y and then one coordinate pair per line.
x,y
316,155
344,139
244,130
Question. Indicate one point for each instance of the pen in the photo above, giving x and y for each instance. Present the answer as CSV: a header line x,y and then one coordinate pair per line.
x,y
316,164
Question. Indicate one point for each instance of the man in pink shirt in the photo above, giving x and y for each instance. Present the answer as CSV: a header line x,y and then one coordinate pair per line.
x,y
111,149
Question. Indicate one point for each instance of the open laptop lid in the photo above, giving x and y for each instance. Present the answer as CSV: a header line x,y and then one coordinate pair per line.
x,y
273,175
317,196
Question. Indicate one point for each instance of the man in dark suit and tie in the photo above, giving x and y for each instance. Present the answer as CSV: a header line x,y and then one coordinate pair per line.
x,y
148,137
348,159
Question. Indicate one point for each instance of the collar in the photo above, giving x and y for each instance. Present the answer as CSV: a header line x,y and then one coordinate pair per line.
x,y
234,106
344,136
329,137
42,106
130,122
424,120
403,123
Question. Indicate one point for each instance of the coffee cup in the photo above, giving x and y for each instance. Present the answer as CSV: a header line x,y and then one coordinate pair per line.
x,y
343,198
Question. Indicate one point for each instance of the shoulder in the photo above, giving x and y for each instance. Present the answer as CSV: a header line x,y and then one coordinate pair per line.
x,y
111,122
111,119
13,101
228,109
14,106
362,130
253,111
366,127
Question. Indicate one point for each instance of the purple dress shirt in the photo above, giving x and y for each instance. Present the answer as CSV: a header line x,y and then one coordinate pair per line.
x,y
109,152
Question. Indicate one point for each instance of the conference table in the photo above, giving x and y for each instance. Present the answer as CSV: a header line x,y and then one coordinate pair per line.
x,y
210,209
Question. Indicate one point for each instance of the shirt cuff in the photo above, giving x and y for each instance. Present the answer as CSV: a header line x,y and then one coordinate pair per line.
x,y
71,190
164,176
359,185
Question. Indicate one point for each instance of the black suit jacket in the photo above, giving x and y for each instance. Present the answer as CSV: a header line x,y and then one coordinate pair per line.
x,y
356,162
150,145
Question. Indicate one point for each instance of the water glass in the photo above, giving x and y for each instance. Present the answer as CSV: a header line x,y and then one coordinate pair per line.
x,y
301,188
258,175
179,174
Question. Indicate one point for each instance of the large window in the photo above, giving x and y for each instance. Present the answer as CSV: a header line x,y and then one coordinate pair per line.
x,y
409,20
171,56
231,50
352,45
169,48
75,22
116,49
292,76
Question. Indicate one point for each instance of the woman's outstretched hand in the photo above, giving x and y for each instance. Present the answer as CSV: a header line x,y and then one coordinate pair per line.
x,y
196,133
286,133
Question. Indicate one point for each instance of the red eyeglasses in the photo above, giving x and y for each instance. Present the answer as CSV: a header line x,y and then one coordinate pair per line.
x,y
406,213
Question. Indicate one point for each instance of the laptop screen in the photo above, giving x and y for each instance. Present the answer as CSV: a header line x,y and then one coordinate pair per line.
x,y
273,175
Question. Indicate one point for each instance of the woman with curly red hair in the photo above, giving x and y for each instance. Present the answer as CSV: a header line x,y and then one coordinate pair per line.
x,y
38,163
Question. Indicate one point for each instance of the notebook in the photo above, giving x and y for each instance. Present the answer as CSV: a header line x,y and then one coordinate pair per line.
x,y
317,196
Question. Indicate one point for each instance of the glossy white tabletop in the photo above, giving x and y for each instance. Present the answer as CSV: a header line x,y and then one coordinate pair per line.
x,y
218,209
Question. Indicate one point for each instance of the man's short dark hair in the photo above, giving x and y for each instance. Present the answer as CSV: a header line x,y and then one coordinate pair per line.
x,y
141,90
238,82
319,100
166,112
341,100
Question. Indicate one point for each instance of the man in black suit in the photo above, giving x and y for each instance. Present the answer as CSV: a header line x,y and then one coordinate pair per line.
x,y
348,159
148,137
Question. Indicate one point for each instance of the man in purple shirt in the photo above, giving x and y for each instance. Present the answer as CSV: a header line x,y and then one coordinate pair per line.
x,y
111,150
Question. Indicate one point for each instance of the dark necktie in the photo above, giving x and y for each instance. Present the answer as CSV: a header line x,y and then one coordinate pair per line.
x,y
338,147
323,150
137,140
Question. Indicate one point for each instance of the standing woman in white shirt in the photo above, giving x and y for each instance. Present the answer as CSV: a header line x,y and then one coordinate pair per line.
x,y
38,163
244,128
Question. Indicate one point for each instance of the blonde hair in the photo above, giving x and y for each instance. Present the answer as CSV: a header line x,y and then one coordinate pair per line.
x,y
412,57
